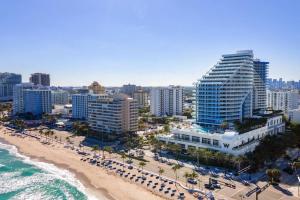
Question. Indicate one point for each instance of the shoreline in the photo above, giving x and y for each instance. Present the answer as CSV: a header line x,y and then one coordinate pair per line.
x,y
89,190
96,181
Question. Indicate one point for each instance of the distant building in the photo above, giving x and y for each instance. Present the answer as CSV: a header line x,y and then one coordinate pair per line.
x,y
284,100
166,101
40,79
60,97
96,88
294,116
116,114
7,82
37,101
142,98
129,89
275,84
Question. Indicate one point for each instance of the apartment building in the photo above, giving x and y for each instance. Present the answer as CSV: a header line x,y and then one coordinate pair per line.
x,y
115,114
166,101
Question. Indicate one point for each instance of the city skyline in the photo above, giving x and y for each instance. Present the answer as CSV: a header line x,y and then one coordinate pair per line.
x,y
140,42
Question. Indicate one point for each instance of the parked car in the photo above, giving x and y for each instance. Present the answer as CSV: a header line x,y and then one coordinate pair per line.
x,y
130,167
209,186
246,183
216,185
192,181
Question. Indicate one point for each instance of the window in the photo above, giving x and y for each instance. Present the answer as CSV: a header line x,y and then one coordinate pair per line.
x,y
216,142
206,141
195,139
185,137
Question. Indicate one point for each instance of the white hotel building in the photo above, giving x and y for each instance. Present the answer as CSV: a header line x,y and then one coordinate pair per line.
x,y
230,141
233,90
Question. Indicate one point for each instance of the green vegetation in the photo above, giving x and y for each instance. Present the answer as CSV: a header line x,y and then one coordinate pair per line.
x,y
249,124
188,113
273,147
160,171
81,128
19,124
273,175
201,156
5,107
175,169
143,111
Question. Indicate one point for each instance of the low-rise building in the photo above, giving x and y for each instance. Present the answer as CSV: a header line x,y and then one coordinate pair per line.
x,y
229,141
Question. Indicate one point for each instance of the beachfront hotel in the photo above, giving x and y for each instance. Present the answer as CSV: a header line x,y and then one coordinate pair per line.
x,y
30,98
228,97
113,114
166,101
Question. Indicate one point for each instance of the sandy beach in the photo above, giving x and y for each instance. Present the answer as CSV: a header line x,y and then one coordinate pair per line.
x,y
99,182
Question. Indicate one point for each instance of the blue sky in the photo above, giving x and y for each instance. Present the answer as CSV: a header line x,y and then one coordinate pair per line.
x,y
146,42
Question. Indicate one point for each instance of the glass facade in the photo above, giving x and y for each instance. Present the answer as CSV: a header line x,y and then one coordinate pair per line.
x,y
225,93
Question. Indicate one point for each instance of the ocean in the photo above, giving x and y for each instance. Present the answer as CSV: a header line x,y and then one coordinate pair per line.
x,y
24,179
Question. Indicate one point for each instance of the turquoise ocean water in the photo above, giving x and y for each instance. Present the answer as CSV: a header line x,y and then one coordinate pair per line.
x,y
22,178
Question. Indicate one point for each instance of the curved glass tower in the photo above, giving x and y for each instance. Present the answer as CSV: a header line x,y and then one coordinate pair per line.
x,y
224,94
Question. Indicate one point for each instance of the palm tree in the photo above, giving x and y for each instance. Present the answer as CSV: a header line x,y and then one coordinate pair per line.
x,y
194,175
95,148
160,171
186,176
142,165
175,168
176,149
108,149
123,156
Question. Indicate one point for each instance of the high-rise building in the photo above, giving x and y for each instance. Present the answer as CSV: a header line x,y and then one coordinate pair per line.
x,y
60,97
116,114
234,89
96,88
40,79
79,106
166,101
225,93
18,97
141,97
7,83
260,85
284,100
37,101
